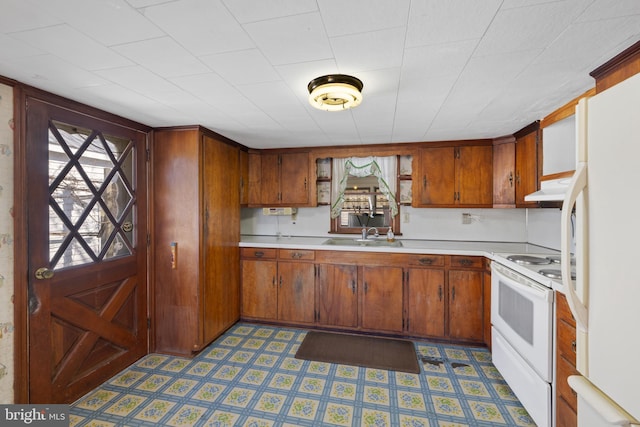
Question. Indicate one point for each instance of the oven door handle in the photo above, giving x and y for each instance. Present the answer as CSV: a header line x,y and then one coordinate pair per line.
x,y
534,290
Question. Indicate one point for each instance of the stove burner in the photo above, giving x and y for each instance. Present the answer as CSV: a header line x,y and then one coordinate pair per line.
x,y
555,274
555,259
528,259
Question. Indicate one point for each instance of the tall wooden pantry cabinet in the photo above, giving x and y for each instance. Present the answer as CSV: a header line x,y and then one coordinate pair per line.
x,y
195,279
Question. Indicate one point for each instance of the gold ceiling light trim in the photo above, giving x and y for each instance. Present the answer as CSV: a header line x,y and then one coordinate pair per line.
x,y
335,92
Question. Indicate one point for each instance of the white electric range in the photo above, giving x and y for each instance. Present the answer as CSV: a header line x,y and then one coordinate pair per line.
x,y
522,319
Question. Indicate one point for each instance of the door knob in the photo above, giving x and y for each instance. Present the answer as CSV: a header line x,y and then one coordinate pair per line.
x,y
44,273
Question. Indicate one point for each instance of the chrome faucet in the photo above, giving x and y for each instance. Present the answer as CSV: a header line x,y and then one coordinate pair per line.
x,y
365,232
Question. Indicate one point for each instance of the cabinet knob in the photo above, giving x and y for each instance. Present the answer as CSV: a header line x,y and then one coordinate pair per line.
x,y
466,262
510,179
453,293
573,345
426,261
258,254
440,292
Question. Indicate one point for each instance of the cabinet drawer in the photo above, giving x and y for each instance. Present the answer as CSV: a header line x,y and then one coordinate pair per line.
x,y
567,341
425,260
565,370
467,261
258,253
297,254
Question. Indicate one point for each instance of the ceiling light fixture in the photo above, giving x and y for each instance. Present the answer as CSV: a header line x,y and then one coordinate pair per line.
x,y
335,92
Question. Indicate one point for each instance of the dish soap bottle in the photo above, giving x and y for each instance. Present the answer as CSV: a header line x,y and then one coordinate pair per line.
x,y
390,236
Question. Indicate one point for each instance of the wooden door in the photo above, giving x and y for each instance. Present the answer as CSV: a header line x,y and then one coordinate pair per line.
x,y
504,162
296,292
435,184
294,178
465,305
382,298
425,302
87,251
259,289
338,295
221,235
474,175
526,167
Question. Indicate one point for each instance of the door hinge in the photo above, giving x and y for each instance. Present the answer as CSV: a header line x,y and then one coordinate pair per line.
x,y
148,239
148,155
148,323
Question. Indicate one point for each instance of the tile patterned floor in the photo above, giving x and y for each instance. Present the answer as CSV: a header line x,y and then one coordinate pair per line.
x,y
249,377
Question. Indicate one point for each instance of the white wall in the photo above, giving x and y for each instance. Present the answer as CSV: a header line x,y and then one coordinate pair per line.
x,y
543,227
6,244
502,225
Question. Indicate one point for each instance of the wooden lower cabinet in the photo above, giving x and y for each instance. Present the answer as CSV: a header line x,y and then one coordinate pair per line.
x,y
259,289
337,295
296,292
425,302
430,296
381,300
566,398
465,305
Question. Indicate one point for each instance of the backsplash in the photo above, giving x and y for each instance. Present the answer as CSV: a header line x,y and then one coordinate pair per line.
x,y
499,225
6,244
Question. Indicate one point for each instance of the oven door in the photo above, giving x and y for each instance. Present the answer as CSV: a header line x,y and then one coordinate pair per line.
x,y
522,311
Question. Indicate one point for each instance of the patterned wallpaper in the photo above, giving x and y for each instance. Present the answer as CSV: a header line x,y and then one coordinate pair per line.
x,y
6,244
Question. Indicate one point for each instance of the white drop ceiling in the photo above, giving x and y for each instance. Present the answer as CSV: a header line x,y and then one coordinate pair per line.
x,y
432,69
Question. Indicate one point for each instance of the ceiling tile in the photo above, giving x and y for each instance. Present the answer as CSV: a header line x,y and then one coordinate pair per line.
x,y
528,28
14,12
163,56
358,16
12,48
436,21
607,9
138,79
73,46
108,22
369,51
203,27
290,40
246,11
49,72
242,67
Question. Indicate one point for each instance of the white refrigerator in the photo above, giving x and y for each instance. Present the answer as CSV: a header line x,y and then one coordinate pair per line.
x,y
605,191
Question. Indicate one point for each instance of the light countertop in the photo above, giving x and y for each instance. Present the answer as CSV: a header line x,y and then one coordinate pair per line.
x,y
442,247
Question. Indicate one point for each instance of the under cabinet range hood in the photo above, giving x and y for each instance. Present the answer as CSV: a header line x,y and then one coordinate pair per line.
x,y
552,190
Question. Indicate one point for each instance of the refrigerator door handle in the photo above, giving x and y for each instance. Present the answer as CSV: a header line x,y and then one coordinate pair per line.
x,y
576,186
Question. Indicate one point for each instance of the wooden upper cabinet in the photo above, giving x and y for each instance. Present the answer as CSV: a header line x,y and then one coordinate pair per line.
x,y
436,180
504,176
474,175
244,177
454,176
279,179
527,164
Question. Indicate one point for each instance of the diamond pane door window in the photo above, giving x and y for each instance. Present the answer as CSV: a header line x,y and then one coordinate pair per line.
x,y
92,197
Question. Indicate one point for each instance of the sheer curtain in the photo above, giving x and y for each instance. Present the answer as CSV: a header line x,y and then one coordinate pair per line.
x,y
384,168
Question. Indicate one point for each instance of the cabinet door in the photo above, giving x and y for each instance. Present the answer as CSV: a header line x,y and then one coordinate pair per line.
x,y
259,290
244,177
465,305
504,161
270,179
526,168
474,175
425,302
436,182
382,299
338,295
294,178
296,292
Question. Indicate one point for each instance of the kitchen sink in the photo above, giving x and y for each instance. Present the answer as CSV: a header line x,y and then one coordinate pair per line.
x,y
347,241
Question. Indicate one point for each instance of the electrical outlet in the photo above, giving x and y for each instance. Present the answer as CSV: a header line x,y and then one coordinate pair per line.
x,y
405,217
466,218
